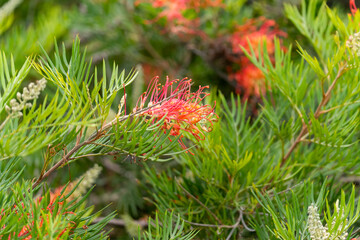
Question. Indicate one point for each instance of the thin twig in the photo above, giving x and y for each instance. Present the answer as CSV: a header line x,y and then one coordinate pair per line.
x,y
235,225
246,226
317,114
198,201
96,135
95,154
213,225
59,163
5,121
339,106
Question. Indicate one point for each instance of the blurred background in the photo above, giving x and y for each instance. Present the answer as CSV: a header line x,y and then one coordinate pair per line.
x,y
200,39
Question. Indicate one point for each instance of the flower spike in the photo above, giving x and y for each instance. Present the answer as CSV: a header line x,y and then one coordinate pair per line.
x,y
180,108
353,7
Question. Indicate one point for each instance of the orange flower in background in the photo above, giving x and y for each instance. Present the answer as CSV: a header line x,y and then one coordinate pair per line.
x,y
353,7
251,35
188,4
181,109
249,79
25,232
150,70
173,11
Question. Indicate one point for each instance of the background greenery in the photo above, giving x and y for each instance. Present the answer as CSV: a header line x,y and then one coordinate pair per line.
x,y
236,185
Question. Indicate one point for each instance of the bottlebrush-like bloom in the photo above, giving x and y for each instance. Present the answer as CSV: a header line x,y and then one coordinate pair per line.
x,y
249,81
187,4
181,109
87,181
47,214
177,24
249,36
353,7
315,227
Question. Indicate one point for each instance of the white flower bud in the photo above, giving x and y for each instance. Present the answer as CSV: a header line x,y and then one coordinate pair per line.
x,y
29,93
88,180
18,95
13,103
316,229
353,43
7,108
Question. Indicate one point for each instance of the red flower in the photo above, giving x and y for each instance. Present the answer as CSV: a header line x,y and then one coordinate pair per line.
x,y
173,11
249,80
187,4
255,32
251,35
353,7
181,109
26,230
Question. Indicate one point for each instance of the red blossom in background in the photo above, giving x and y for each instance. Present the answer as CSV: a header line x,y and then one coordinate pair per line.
x,y
187,4
353,7
253,34
150,70
181,109
177,24
25,232
249,79
229,56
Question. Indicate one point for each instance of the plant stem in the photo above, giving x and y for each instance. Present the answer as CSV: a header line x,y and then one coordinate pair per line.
x,y
59,163
94,136
4,122
305,128
198,201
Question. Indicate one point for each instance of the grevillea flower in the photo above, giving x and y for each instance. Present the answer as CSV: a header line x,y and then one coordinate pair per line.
x,y
176,22
353,7
249,80
47,214
88,180
255,32
187,4
181,109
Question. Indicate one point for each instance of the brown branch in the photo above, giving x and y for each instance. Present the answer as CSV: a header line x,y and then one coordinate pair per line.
x,y
208,225
96,135
198,201
304,130
235,225
59,163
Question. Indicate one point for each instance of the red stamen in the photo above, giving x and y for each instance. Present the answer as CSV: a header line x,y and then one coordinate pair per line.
x,y
182,112
353,7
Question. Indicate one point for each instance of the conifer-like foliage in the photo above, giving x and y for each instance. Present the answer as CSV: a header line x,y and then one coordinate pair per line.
x,y
278,175
279,160
72,123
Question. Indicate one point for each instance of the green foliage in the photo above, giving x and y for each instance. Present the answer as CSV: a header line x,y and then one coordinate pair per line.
x,y
257,173
23,40
307,128
25,215
290,218
166,231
